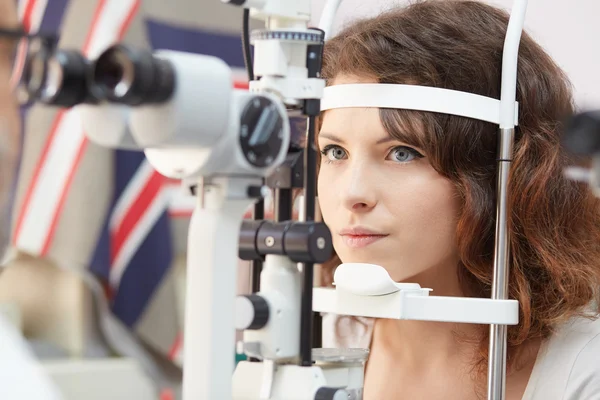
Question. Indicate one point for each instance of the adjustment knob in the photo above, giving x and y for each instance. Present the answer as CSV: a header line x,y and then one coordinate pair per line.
x,y
582,133
309,242
331,394
261,131
251,312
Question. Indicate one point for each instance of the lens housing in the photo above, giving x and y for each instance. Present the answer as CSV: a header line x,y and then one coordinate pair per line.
x,y
58,78
133,77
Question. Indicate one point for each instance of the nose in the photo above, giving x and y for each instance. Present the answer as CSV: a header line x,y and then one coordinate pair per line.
x,y
358,189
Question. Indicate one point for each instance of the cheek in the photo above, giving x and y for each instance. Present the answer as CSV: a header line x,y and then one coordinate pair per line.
x,y
427,215
325,193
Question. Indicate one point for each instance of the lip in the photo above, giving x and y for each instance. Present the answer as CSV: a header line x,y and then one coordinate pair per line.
x,y
358,237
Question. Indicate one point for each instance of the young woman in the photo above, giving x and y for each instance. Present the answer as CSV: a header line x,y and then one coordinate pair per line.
x,y
415,193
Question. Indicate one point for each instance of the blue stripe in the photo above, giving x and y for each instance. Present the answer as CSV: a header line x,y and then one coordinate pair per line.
x,y
151,260
144,273
100,263
53,16
227,47
126,164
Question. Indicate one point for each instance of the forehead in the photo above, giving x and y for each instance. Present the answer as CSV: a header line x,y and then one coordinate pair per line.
x,y
353,123
344,122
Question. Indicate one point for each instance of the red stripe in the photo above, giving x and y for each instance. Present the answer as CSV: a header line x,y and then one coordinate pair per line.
x,y
129,19
36,174
241,85
63,197
84,141
28,15
176,346
172,182
145,197
167,394
90,35
81,150
180,214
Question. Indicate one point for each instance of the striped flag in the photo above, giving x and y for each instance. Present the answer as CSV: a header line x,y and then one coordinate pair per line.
x,y
105,211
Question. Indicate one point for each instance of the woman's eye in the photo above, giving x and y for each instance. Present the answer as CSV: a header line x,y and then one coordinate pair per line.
x,y
404,154
333,153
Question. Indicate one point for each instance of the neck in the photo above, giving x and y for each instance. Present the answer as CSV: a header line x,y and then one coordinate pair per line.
x,y
427,343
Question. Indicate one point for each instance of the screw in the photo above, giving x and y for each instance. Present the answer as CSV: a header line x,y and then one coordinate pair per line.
x,y
321,243
270,241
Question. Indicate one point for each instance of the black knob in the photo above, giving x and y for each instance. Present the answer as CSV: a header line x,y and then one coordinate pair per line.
x,y
251,312
582,133
261,131
309,242
247,246
331,394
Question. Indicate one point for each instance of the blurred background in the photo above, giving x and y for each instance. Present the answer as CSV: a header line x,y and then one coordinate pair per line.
x,y
92,282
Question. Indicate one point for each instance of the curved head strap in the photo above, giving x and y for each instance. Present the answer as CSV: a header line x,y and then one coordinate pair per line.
x,y
411,97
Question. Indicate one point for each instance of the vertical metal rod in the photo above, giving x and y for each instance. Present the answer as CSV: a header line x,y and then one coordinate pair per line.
x,y
256,265
498,333
282,203
310,192
508,120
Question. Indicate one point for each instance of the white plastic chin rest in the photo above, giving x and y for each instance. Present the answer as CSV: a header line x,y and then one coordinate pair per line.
x,y
366,290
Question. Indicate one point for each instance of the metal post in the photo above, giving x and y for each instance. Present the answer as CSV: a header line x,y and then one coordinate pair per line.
x,y
508,120
497,351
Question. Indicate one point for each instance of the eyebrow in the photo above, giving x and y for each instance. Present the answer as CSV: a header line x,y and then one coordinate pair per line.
x,y
337,139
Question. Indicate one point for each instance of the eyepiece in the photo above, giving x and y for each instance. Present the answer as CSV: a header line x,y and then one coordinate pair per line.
x,y
133,77
58,79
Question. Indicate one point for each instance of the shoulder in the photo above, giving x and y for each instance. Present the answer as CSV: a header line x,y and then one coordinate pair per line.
x,y
340,331
569,362
584,377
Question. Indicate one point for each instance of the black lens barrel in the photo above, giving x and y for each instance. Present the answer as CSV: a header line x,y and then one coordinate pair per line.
x,y
134,77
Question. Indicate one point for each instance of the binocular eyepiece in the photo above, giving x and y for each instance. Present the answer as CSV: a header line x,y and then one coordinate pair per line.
x,y
58,78
133,77
121,75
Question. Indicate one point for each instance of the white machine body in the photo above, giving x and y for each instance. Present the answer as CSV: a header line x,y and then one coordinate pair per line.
x,y
280,57
294,10
224,157
211,287
258,381
198,112
106,125
281,287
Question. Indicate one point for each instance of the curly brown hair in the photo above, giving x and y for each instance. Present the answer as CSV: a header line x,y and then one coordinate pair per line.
x,y
554,223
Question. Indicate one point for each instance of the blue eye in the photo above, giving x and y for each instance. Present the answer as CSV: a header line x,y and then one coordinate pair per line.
x,y
333,153
404,154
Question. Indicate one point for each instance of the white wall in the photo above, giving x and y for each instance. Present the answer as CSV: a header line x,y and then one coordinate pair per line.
x,y
568,29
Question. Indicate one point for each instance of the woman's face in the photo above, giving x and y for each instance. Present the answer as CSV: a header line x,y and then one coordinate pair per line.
x,y
382,200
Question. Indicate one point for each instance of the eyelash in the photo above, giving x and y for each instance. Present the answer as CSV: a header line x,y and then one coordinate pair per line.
x,y
412,151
